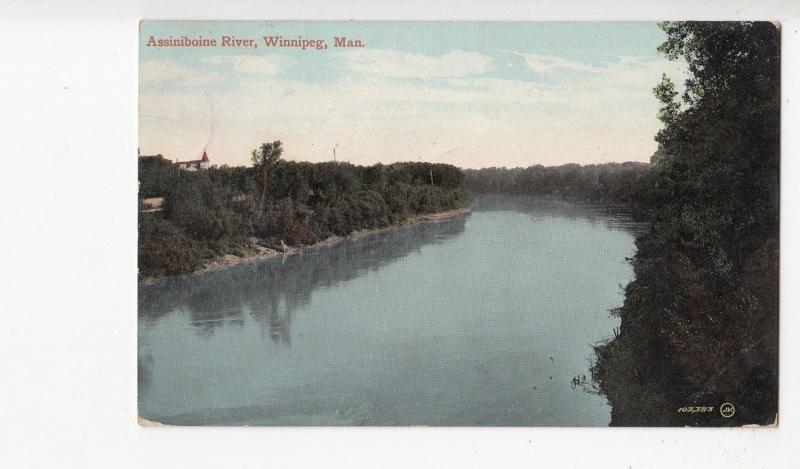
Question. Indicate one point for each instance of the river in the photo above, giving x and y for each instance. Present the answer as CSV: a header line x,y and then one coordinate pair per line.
x,y
481,320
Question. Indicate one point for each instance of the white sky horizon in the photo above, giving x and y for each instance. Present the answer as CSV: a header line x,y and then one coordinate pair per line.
x,y
469,94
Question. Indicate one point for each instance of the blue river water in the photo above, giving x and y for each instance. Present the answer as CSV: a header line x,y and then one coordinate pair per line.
x,y
480,320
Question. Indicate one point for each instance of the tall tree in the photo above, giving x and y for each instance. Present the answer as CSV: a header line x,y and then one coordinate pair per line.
x,y
264,159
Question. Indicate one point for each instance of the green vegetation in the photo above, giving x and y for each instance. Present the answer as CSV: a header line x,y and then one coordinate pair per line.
x,y
214,212
700,321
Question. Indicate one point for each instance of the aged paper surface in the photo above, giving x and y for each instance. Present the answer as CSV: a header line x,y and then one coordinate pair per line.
x,y
458,223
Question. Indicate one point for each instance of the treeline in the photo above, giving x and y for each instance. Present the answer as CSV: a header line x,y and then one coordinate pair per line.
x,y
699,325
213,212
625,184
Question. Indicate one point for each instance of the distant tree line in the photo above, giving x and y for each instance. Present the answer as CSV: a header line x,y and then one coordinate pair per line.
x,y
626,184
213,212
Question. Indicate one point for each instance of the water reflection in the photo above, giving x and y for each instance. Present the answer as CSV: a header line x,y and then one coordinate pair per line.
x,y
613,217
272,290
487,325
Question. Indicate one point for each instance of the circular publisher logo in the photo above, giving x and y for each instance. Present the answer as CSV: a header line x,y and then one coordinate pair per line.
x,y
727,410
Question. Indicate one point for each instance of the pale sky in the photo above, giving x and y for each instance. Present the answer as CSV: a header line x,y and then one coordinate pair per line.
x,y
470,94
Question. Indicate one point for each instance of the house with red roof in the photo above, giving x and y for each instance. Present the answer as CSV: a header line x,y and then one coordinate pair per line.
x,y
194,165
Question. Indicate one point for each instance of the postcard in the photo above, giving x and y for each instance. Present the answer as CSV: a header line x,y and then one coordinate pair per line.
x,y
458,223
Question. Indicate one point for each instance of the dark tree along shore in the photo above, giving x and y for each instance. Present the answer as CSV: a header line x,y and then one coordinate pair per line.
x,y
700,321
218,211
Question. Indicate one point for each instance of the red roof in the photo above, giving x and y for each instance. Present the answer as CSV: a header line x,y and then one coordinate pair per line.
x,y
204,159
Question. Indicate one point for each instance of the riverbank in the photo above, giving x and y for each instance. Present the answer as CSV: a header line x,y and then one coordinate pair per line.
x,y
255,249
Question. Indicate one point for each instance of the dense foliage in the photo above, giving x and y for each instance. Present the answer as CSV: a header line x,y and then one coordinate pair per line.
x,y
699,325
213,212
627,184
